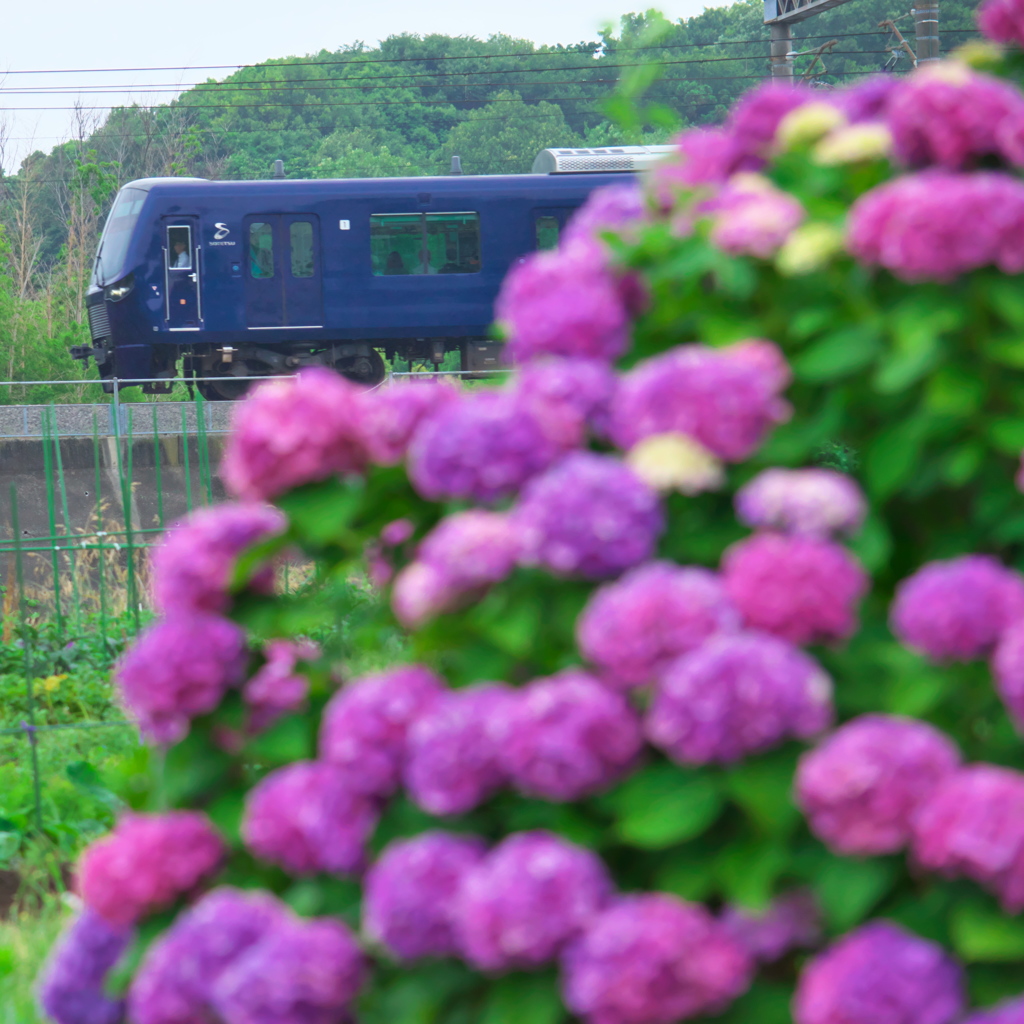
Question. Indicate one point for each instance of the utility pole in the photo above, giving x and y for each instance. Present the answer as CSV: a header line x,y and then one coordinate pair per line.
x,y
926,30
779,16
782,45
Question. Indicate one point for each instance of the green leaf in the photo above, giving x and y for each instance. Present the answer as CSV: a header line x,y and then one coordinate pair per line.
x,y
765,1002
322,512
287,740
748,871
10,844
84,777
689,877
1007,433
523,999
848,889
763,788
194,769
838,355
894,456
980,933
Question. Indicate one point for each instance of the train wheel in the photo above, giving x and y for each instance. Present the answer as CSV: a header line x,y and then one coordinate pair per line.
x,y
362,369
223,389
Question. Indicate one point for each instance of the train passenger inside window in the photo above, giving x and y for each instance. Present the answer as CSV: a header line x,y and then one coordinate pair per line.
x,y
394,264
418,244
179,247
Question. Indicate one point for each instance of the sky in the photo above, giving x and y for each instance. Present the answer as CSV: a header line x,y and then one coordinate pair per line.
x,y
73,35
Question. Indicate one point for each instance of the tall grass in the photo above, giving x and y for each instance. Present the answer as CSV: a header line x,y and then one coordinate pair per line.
x,y
25,940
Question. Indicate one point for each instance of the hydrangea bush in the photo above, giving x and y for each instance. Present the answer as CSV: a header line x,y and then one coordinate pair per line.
x,y
714,659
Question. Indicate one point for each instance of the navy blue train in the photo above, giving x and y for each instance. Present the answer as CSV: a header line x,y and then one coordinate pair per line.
x,y
249,278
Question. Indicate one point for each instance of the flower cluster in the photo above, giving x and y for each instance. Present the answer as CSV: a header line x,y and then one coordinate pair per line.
x,y
1009,1012
278,688
810,502
1002,20
389,417
568,397
792,921
751,217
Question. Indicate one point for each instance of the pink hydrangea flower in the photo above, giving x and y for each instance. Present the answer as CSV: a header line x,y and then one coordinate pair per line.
x,y
389,416
737,694
193,564
756,117
633,628
483,447
306,972
568,737
420,593
727,399
1008,669
529,896
812,502
411,892
880,974
861,787
307,818
957,609
365,725
973,826
590,516
569,398
617,209
278,688
1009,1012
791,921
704,157
867,100
1002,21
453,761
751,217
292,432
803,589
653,959
178,669
148,862
564,302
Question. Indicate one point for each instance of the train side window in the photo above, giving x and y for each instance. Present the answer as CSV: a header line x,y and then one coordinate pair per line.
x,y
179,247
547,232
453,243
396,243
261,249
301,238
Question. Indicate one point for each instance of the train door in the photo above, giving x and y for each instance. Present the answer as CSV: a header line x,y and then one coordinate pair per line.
x,y
548,224
283,280
182,282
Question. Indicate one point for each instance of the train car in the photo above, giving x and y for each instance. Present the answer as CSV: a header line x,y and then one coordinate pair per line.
x,y
235,279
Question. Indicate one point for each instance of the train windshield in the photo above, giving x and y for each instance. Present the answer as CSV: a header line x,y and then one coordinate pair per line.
x,y
117,233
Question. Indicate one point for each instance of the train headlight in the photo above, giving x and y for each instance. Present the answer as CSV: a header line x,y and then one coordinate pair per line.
x,y
116,292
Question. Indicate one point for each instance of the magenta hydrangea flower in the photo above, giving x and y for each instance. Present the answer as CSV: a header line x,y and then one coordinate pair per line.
x,y
812,502
483,447
1009,1012
389,416
411,892
365,724
193,564
633,628
568,737
564,302
146,863
307,818
704,157
1008,669
453,761
751,217
867,100
302,972
727,399
180,668
531,895
950,115
174,984
803,589
653,959
472,549
756,117
278,688
737,694
71,985
567,397
937,225
861,787
589,515
616,209
880,974
1002,21
957,609
973,826
292,432
791,921
421,592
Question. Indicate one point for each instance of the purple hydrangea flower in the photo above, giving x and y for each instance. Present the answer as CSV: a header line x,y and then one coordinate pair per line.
x,y
867,100
803,589
653,959
880,974
531,895
973,826
146,863
1002,21
957,609
174,984
364,726
565,302
757,116
589,515
704,157
390,416
292,432
569,736
411,892
736,695
1008,669
1009,1012
937,225
791,921
278,689
813,502
861,787
483,447
193,564
453,762
421,592
950,115
178,669
751,217
616,209
302,972
307,818
567,396
727,399
633,628
71,986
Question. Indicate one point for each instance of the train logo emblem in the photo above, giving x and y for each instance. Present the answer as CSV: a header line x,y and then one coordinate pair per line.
x,y
222,231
